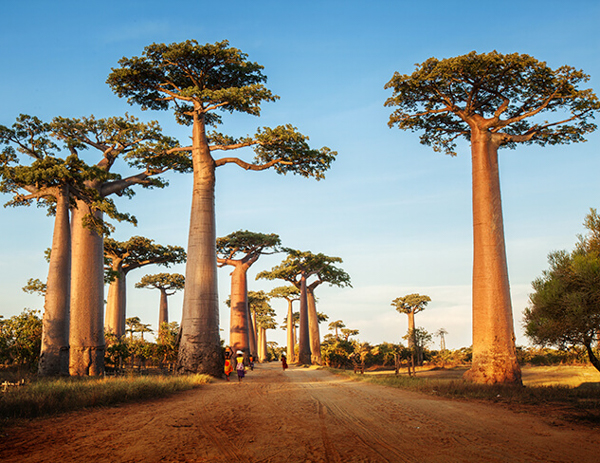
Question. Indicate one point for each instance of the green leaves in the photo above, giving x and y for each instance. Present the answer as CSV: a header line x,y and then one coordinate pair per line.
x,y
305,263
286,144
139,251
411,303
164,281
564,307
192,78
247,244
502,94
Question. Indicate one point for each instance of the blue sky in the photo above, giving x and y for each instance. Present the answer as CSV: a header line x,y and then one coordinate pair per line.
x,y
397,213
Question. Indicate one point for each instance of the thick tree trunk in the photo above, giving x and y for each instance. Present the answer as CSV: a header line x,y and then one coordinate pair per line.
x,y
313,328
304,353
163,309
200,345
54,356
239,330
290,334
494,352
115,302
411,329
262,345
253,335
87,298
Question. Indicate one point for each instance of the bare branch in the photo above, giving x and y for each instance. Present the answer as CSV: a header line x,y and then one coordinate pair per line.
x,y
249,166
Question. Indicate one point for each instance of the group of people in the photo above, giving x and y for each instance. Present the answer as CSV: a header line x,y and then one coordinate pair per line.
x,y
239,363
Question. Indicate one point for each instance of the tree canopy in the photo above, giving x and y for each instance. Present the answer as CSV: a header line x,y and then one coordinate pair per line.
x,y
503,94
564,309
199,81
411,303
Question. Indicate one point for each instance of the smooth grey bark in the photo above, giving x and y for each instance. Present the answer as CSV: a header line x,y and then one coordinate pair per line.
x,y
54,355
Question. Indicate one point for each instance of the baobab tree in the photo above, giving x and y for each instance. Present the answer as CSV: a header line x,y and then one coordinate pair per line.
x,y
493,101
335,276
240,250
297,269
290,294
335,326
197,81
56,183
412,304
441,333
261,314
124,256
168,284
150,154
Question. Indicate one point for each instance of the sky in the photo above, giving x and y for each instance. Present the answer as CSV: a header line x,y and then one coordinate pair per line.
x,y
397,213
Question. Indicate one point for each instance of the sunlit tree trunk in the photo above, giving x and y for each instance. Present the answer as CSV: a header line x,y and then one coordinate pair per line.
x,y
494,352
54,356
87,298
200,346
116,300
313,327
239,330
253,334
290,334
262,345
304,353
163,309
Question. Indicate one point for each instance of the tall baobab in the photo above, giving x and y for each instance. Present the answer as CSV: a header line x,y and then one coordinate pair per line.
x,y
493,101
123,257
240,250
441,333
298,268
337,325
150,154
168,284
197,81
290,294
412,304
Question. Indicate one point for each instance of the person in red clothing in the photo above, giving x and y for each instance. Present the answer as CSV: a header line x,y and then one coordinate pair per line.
x,y
228,363
284,364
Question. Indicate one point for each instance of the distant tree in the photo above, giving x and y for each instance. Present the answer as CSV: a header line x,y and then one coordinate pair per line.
x,y
168,284
240,250
123,257
263,316
441,333
296,269
197,81
346,333
336,325
563,309
132,326
168,334
412,304
20,339
493,101
290,294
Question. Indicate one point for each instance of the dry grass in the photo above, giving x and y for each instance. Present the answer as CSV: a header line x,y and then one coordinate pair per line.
x,y
52,396
573,392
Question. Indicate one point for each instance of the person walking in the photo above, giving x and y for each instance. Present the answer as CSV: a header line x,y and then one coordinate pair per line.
x,y
284,364
228,363
240,367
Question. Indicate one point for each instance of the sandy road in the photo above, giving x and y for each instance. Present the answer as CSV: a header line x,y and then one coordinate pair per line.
x,y
301,415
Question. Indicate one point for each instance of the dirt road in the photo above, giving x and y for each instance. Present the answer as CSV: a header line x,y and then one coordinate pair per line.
x,y
302,415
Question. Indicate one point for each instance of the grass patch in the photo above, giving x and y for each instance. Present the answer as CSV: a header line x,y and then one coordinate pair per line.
x,y
51,396
580,403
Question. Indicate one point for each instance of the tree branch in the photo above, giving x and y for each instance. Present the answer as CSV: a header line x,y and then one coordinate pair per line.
x,y
249,166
